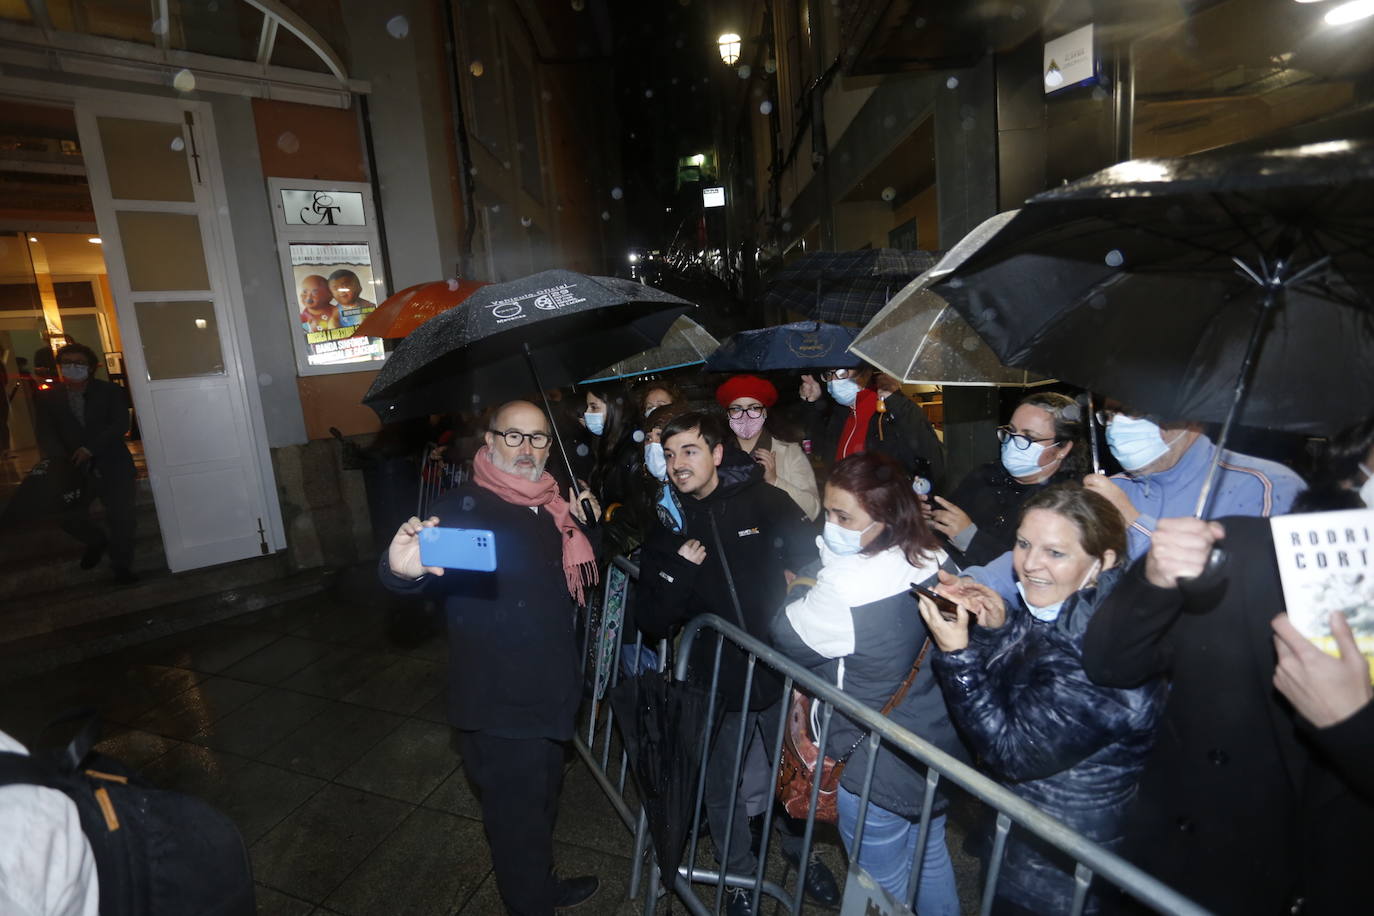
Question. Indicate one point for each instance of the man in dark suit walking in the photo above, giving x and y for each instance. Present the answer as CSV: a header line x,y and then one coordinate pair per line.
x,y
81,426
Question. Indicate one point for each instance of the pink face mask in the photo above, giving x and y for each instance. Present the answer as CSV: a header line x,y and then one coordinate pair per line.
x,y
747,427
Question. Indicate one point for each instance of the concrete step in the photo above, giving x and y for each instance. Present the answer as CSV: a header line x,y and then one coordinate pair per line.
x,y
27,578
98,598
28,655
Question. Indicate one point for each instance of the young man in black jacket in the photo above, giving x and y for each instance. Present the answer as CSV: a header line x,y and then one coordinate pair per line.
x,y
739,536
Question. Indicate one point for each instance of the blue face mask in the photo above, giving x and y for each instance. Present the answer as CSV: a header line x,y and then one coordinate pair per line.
x,y
75,373
843,541
1135,441
1024,462
654,460
844,390
596,422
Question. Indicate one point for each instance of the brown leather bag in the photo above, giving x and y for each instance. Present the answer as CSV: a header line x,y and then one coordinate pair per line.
x,y
799,752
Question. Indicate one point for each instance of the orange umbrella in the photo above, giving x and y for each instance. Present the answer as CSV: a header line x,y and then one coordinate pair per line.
x,y
405,311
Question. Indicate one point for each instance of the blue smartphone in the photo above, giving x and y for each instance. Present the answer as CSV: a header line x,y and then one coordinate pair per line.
x,y
458,548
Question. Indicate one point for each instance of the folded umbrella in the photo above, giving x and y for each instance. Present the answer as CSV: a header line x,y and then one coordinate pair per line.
x,y
808,346
1222,287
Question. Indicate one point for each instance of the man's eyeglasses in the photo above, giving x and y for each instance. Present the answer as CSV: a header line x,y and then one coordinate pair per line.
x,y
514,438
829,375
1022,442
755,411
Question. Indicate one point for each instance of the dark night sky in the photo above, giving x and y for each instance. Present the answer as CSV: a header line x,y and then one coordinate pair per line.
x,y
662,50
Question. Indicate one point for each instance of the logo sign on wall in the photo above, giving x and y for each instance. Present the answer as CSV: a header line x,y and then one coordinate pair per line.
x,y
1070,61
713,197
322,208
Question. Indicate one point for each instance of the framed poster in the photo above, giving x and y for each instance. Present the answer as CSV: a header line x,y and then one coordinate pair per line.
x,y
328,245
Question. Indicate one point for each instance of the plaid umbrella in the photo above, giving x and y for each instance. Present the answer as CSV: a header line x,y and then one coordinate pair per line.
x,y
846,286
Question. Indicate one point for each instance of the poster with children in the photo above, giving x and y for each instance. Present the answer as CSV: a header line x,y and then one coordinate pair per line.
x,y
335,292
1326,564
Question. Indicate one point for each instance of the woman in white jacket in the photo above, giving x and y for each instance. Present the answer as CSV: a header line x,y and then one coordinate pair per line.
x,y
746,399
854,622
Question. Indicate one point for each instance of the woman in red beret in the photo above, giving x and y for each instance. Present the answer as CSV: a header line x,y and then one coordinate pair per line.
x,y
746,399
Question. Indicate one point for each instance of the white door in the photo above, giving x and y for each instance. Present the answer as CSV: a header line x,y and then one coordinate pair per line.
x,y
156,189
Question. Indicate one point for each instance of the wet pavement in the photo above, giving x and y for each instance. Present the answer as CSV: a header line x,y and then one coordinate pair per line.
x,y
318,726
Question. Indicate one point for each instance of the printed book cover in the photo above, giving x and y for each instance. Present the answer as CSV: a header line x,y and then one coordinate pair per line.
x,y
1326,563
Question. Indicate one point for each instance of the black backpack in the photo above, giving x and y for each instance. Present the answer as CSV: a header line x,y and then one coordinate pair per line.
x,y
156,852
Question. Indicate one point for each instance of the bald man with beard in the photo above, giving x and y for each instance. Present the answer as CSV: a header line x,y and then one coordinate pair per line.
x,y
318,311
513,679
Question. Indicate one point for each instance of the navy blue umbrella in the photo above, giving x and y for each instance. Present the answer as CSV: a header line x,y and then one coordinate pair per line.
x,y
808,346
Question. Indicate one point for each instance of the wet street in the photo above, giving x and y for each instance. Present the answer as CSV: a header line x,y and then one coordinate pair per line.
x,y
318,726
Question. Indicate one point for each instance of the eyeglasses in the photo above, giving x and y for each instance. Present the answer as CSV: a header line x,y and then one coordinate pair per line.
x,y
829,375
754,412
1022,442
514,438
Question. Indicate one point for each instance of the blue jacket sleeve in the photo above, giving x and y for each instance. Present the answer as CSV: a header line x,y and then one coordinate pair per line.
x,y
1038,726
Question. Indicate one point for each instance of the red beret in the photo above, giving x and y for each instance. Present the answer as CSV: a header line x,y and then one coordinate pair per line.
x,y
747,386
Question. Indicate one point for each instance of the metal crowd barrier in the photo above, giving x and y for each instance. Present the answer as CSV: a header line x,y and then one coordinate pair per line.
x,y
437,477
603,649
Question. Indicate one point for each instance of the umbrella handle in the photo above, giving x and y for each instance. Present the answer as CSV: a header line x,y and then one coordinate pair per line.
x,y
587,512
1212,575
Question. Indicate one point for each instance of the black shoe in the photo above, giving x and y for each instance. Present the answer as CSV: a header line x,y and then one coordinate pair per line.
x,y
570,892
124,577
92,556
820,882
737,902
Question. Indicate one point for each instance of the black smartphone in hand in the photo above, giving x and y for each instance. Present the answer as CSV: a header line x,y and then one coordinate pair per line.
x,y
948,609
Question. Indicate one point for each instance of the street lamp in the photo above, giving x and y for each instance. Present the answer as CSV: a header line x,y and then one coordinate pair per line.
x,y
729,45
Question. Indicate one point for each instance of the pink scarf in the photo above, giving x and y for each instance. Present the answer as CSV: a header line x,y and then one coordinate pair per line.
x,y
579,561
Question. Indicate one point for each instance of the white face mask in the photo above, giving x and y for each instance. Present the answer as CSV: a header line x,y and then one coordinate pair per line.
x,y
655,461
1367,488
844,542
1049,612
1136,441
845,391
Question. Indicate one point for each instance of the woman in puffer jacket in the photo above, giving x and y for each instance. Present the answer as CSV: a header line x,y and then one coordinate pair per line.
x,y
856,624
1016,689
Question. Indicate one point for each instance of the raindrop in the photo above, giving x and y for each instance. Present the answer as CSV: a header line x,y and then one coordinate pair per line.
x,y
159,26
786,212
786,227
745,72
952,83
777,543
520,603
526,222
638,435
579,5
648,93
1115,258
890,122
1018,13
889,193
264,379
1099,94
288,143
476,68
506,165
606,215
969,123
920,22
178,144
954,283
970,343
617,193
546,95
765,107
453,284
472,170
184,81
398,27
582,450
495,208
1098,301
770,65
469,503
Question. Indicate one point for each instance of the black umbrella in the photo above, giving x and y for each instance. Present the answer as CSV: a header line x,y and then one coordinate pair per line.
x,y
1177,285
545,330
809,346
664,724
846,285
